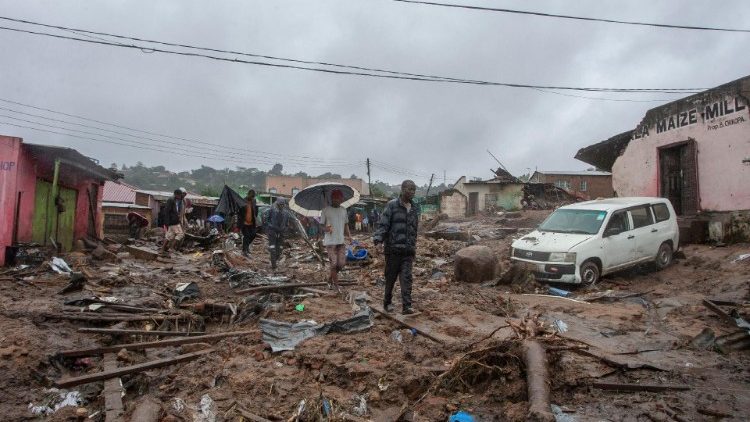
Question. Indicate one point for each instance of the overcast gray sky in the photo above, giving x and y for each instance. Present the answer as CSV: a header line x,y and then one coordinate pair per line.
x,y
420,126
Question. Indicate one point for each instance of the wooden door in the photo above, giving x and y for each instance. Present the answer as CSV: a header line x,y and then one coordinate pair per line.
x,y
41,205
473,203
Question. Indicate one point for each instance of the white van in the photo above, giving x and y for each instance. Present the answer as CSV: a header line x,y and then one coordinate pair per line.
x,y
579,243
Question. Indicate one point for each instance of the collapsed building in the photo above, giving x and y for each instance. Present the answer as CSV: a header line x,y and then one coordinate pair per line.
x,y
694,151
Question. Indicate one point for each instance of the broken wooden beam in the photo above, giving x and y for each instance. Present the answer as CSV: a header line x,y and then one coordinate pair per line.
x,y
401,320
113,408
249,415
115,331
114,318
537,381
149,344
316,291
284,286
718,311
126,370
141,253
617,386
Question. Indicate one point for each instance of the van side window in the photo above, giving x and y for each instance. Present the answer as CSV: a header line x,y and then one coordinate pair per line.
x,y
619,221
641,216
661,212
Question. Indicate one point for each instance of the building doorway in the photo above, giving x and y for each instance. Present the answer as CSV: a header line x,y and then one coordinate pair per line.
x,y
473,203
678,176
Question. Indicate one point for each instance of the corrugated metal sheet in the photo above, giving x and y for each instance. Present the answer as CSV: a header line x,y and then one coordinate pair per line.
x,y
195,199
118,192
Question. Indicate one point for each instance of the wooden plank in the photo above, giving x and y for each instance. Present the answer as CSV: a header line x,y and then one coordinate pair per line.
x,y
401,320
125,370
616,386
150,344
112,393
113,318
141,253
718,311
249,415
115,331
285,286
316,291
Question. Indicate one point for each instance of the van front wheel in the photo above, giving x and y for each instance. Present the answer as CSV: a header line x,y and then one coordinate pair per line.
x,y
590,273
664,256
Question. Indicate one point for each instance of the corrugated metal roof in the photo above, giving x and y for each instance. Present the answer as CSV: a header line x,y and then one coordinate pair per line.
x,y
118,192
123,205
577,173
195,199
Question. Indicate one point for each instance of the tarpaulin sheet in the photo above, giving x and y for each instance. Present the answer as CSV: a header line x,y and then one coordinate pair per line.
x,y
286,336
229,202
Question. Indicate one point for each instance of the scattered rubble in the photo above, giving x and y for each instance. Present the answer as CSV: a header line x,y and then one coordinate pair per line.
x,y
126,343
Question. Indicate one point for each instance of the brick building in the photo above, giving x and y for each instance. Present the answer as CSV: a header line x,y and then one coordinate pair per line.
x,y
582,184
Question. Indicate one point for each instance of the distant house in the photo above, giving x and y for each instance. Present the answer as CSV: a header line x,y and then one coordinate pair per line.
x,y
503,191
694,151
290,185
118,201
203,206
48,195
582,184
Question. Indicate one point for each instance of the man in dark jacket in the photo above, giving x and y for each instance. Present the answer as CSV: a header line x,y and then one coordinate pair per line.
x,y
278,220
397,232
171,219
246,219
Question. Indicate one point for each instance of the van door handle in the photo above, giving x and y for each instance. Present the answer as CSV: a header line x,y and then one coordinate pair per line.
x,y
654,230
631,237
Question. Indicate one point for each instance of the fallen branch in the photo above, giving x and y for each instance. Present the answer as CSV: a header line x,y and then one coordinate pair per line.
x,y
150,344
285,286
537,381
125,370
489,335
406,324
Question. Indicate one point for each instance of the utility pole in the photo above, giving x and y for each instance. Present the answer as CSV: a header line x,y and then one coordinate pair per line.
x,y
445,183
369,182
429,186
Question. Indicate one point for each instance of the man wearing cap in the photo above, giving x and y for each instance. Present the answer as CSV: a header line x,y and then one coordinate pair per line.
x,y
397,233
247,216
334,219
171,218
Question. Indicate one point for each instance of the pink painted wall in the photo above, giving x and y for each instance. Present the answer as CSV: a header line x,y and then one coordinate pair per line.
x,y
9,153
722,144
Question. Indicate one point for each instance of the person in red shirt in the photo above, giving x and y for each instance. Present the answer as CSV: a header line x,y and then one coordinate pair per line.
x,y
247,217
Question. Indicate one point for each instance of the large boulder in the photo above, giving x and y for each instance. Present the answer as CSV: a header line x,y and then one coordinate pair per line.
x,y
475,264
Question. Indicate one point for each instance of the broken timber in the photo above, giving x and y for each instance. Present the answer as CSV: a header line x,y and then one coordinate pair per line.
x,y
284,286
125,370
141,253
616,386
537,381
112,392
115,331
402,321
149,344
114,317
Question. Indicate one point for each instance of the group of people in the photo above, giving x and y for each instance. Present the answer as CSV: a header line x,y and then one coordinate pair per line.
x,y
394,235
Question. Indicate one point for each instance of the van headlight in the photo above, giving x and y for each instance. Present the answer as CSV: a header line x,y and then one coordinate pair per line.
x,y
562,257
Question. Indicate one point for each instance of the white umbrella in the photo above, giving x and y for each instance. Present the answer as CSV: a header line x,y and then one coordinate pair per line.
x,y
311,200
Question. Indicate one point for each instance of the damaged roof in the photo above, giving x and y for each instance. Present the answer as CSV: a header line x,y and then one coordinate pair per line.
x,y
47,154
603,154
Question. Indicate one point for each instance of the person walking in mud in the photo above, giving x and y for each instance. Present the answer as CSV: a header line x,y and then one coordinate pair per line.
x,y
278,220
334,218
248,226
396,237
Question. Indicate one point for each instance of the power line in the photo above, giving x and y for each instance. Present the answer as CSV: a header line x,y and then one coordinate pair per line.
x,y
267,155
393,75
580,18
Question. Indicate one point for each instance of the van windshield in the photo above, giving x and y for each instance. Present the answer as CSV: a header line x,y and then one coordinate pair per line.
x,y
574,221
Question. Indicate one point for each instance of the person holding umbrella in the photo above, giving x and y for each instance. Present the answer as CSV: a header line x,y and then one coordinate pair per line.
x,y
247,215
396,235
334,219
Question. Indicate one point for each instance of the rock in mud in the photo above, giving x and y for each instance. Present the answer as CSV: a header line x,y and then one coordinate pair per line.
x,y
475,264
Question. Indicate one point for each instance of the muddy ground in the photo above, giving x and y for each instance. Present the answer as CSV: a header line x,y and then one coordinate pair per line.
x,y
371,375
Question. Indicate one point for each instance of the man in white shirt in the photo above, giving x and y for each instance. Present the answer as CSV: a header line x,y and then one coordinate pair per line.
x,y
334,220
